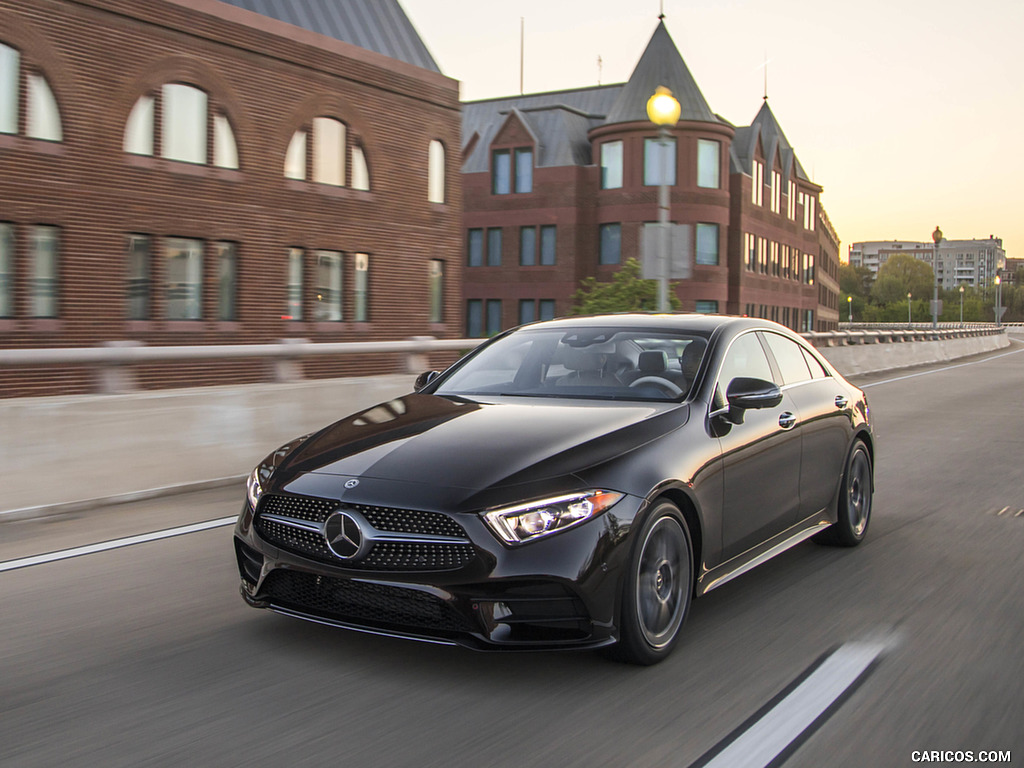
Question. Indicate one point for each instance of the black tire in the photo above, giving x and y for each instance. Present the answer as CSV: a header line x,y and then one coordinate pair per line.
x,y
657,588
855,498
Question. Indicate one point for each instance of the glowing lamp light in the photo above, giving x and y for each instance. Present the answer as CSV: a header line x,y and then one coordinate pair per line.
x,y
662,107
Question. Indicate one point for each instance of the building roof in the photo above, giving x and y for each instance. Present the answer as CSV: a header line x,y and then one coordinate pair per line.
x,y
660,64
766,128
560,121
375,25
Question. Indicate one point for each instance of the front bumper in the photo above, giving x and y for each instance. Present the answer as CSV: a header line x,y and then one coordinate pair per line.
x,y
559,592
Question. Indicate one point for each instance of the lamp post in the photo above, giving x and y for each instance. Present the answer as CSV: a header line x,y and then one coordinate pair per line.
x,y
937,237
849,303
909,305
961,306
999,301
663,110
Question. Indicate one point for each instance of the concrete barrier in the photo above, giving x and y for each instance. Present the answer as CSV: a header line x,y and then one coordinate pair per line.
x,y
61,454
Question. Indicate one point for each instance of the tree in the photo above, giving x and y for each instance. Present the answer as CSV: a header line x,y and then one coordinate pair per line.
x,y
627,292
900,275
855,281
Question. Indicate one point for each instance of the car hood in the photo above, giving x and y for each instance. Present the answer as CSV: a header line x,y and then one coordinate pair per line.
x,y
458,443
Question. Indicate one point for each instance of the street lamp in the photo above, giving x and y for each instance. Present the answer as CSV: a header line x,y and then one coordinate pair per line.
x,y
961,305
937,237
849,302
663,110
999,301
909,305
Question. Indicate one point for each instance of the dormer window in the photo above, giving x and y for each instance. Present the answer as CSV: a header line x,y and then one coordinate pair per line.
x,y
512,170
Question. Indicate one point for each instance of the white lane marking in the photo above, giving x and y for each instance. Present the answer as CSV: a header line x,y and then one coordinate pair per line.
x,y
775,731
64,554
939,370
1003,511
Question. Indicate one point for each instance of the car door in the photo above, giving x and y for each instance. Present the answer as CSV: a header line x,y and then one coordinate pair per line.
x,y
823,411
760,457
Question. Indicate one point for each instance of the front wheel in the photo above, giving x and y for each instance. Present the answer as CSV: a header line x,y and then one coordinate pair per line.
x,y
854,501
656,588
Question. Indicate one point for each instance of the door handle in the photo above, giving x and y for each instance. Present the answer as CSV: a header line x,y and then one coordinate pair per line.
x,y
841,401
787,420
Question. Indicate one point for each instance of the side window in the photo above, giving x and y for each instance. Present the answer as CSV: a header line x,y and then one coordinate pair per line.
x,y
817,370
790,358
746,357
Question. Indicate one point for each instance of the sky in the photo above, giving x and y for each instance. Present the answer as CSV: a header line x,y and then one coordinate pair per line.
x,y
909,113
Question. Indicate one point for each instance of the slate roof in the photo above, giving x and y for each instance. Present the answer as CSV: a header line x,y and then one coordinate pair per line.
x,y
765,126
660,64
375,25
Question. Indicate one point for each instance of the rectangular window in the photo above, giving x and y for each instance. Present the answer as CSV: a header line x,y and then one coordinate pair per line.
x,y
524,170
757,184
6,269
361,288
475,248
750,252
501,172
791,200
610,247
708,164
809,213
527,311
474,318
547,309
328,286
611,165
184,123
707,244
659,162
139,249
43,115
225,150
184,270
493,316
436,278
762,256
328,151
773,258
548,238
295,279
527,246
494,247
808,320
776,192
707,307
10,66
227,281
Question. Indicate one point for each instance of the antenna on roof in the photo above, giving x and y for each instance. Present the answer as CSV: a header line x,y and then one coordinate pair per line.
x,y
661,10
766,75
522,48
599,63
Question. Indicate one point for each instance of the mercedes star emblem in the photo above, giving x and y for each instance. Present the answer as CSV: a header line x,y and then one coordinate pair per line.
x,y
343,536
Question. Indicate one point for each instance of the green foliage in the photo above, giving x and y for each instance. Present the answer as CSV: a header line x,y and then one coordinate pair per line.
x,y
855,281
900,275
627,292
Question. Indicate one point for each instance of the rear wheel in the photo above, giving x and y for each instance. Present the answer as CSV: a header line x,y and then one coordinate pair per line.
x,y
855,498
657,588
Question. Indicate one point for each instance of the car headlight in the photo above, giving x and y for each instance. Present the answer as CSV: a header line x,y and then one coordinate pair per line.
x,y
253,487
526,522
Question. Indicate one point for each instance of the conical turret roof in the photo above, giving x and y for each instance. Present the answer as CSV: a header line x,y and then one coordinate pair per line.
x,y
661,64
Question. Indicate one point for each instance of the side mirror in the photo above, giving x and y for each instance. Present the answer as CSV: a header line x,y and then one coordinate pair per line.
x,y
423,379
745,394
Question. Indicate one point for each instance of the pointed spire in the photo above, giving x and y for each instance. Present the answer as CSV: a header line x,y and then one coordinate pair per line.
x,y
660,64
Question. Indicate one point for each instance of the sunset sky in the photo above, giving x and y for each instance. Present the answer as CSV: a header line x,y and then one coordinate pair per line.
x,y
909,113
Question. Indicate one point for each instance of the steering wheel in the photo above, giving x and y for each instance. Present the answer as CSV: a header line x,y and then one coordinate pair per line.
x,y
659,382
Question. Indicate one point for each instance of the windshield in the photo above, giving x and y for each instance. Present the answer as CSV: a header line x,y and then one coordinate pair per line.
x,y
596,363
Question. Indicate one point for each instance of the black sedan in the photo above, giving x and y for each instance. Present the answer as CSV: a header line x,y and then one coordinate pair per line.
x,y
571,483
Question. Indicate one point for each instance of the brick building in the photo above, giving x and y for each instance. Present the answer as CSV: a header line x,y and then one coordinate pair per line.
x,y
560,186
194,172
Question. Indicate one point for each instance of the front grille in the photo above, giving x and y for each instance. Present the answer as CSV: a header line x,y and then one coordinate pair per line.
x,y
407,555
250,562
359,602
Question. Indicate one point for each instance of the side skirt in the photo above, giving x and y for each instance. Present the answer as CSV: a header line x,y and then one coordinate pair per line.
x,y
752,558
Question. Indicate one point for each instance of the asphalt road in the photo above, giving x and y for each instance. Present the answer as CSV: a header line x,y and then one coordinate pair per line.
x,y
146,655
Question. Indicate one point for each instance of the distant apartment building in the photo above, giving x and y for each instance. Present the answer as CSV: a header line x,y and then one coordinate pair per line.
x,y
561,186
959,262
197,172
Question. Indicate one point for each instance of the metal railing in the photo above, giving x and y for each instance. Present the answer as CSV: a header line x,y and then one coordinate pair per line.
x,y
112,360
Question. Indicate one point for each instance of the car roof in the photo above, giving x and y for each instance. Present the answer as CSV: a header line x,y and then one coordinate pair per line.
x,y
690,322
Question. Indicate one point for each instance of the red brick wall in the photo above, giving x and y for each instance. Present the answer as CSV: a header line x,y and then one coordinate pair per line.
x,y
270,80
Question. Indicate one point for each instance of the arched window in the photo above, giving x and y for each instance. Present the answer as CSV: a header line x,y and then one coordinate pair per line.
x,y
327,162
42,120
435,172
186,119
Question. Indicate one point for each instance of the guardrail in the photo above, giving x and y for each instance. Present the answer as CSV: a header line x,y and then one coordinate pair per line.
x,y
113,360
